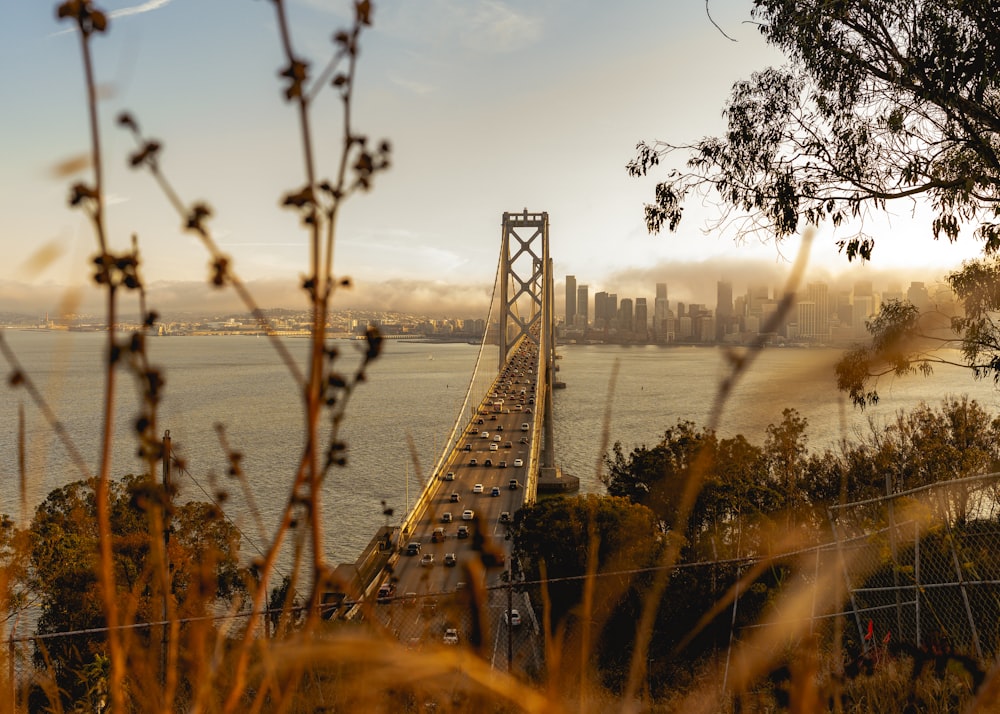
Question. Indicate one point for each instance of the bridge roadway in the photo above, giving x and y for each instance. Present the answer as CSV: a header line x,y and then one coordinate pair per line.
x,y
497,450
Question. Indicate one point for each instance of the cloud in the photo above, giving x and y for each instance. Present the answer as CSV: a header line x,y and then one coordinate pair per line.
x,y
147,6
411,85
687,282
494,26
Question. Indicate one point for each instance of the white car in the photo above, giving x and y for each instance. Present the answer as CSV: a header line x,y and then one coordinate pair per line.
x,y
484,435
450,476
518,462
494,447
478,488
451,636
468,514
497,437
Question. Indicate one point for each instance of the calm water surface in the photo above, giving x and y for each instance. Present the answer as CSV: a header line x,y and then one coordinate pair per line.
x,y
399,420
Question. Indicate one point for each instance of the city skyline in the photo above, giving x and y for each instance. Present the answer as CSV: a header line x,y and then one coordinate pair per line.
x,y
816,314
435,81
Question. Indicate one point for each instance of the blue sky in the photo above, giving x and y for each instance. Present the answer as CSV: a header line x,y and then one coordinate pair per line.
x,y
490,105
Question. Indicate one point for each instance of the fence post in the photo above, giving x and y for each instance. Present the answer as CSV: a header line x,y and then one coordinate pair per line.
x,y
732,630
847,580
894,549
812,607
916,575
961,579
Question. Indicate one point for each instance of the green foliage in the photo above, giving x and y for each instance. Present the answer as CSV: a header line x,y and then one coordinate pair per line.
x,y
734,483
905,340
554,539
62,570
880,100
656,477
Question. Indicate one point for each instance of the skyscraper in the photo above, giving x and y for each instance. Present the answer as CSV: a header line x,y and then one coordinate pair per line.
x,y
570,300
601,315
582,300
641,322
625,314
660,308
723,309
918,295
814,312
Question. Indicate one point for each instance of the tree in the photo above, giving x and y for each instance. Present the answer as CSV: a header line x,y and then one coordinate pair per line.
x,y
881,100
604,544
63,546
906,340
656,477
785,449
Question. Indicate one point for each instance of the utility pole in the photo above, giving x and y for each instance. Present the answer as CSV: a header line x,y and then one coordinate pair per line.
x,y
510,620
166,554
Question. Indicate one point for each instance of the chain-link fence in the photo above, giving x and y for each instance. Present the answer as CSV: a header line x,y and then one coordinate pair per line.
x,y
920,567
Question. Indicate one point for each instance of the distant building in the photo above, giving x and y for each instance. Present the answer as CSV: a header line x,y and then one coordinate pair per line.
x,y
640,325
625,314
602,317
814,313
660,309
918,295
724,323
582,303
570,300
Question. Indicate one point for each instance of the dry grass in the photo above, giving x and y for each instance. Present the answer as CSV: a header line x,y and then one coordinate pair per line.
x,y
224,662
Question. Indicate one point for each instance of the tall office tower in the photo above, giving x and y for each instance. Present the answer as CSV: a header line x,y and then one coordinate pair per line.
x,y
863,288
570,300
681,312
863,310
723,309
756,298
740,306
625,314
669,327
660,308
767,312
894,292
724,304
844,308
918,295
706,327
640,325
814,321
661,291
806,317
601,316
684,328
612,307
582,302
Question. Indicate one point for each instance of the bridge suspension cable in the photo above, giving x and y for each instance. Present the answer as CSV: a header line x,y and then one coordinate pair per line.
x,y
464,411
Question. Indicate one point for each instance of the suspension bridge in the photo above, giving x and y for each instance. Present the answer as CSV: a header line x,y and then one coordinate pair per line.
x,y
498,457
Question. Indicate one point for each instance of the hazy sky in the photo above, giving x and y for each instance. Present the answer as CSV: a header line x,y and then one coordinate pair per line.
x,y
490,105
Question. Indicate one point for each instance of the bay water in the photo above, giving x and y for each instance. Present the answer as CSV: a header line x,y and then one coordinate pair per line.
x,y
399,420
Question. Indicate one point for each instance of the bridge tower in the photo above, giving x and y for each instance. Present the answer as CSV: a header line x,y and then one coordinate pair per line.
x,y
526,285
